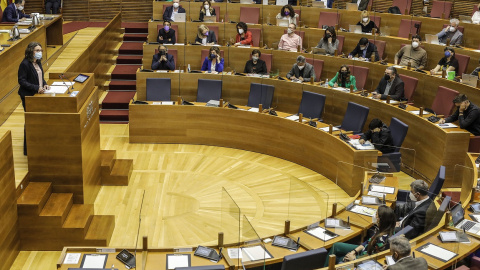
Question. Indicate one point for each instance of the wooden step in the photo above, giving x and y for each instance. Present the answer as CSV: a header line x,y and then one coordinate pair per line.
x,y
79,218
108,160
53,213
33,198
121,171
101,230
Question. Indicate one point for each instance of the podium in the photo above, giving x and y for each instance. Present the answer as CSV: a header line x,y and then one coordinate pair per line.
x,y
63,140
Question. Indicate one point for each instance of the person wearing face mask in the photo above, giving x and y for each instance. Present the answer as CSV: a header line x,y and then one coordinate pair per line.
x,y
384,221
206,10
244,37
166,35
379,134
400,248
365,22
476,71
14,12
412,54
390,85
287,12
447,63
205,36
451,32
418,212
467,115
255,65
329,42
301,71
30,77
476,16
343,78
213,62
290,41
169,13
162,60
364,50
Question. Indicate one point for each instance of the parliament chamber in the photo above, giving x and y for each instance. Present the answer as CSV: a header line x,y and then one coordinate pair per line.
x,y
181,174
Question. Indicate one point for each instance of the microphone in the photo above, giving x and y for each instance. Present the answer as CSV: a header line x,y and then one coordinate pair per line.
x,y
69,81
298,242
64,83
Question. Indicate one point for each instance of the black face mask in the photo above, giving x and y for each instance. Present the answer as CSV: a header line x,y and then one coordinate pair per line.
x,y
328,36
386,77
344,73
162,52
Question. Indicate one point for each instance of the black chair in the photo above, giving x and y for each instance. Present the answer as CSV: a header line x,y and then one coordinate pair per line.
x,y
159,89
312,105
437,184
209,90
260,94
399,130
440,212
206,267
354,118
308,260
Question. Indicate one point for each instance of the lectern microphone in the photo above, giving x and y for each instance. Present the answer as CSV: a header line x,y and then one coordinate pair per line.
x,y
68,80
64,83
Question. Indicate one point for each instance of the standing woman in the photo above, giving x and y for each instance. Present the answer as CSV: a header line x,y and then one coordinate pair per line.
x,y
206,10
30,77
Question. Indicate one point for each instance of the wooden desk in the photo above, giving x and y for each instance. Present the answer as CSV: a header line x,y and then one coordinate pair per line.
x,y
54,29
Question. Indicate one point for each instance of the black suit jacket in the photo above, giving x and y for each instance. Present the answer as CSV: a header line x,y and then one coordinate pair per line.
x,y
210,38
164,65
28,78
168,38
11,14
396,90
370,49
167,15
203,14
419,218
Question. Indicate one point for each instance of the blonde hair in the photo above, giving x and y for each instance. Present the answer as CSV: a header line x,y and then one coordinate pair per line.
x,y
202,28
363,14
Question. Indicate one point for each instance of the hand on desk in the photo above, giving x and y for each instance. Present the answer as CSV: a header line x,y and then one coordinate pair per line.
x,y
300,79
361,141
350,256
441,121
376,95
335,85
160,37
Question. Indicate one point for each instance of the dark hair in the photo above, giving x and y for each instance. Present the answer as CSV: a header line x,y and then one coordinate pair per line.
x,y
393,69
213,48
169,23
257,51
363,41
243,26
347,78
375,123
19,1
417,37
386,225
330,29
29,51
290,9
460,98
450,49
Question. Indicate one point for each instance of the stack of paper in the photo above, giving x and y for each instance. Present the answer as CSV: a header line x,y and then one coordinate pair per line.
x,y
293,117
447,125
382,189
319,232
256,253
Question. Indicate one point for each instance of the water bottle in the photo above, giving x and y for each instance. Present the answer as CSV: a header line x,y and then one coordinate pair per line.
x,y
326,82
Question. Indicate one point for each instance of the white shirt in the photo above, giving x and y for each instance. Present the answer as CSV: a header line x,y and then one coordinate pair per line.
x,y
476,17
207,12
214,64
204,41
173,14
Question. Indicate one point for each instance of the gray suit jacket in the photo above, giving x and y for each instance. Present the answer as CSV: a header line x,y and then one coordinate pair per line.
x,y
308,72
457,38
409,263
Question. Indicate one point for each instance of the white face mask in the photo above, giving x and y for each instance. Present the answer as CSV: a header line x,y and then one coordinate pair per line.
x,y
412,197
206,7
176,5
240,31
254,58
452,29
20,8
374,219
415,44
301,67
38,55
289,30
365,19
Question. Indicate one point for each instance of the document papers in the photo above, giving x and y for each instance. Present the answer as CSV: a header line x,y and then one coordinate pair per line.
x,y
234,253
256,253
326,129
437,252
382,189
61,83
57,89
357,145
321,233
178,260
447,125
293,117
94,261
363,210
72,258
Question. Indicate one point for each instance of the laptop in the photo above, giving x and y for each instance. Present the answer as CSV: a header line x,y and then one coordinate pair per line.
x,y
432,39
282,22
470,80
352,6
316,50
355,29
210,19
459,221
465,19
319,4
246,1
281,2
179,17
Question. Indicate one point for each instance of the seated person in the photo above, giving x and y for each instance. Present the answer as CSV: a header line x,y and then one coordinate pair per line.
x,y
205,36
14,12
301,71
476,16
362,4
384,222
412,53
400,248
287,12
379,135
364,50
365,22
447,63
213,62
477,70
52,6
206,10
418,212
166,34
290,41
451,32
255,65
467,114
162,60
329,42
244,37
343,78
170,11
390,85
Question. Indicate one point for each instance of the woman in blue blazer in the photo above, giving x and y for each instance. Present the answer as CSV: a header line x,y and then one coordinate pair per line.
x,y
213,60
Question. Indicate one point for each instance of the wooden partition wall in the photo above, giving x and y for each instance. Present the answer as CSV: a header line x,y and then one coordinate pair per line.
x,y
9,240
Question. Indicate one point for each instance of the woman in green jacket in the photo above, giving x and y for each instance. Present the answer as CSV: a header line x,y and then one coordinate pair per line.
x,y
343,78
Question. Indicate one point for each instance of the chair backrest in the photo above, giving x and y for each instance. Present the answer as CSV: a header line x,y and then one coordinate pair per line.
x,y
159,89
361,75
217,13
299,18
249,14
307,260
399,130
312,105
206,267
256,34
460,28
341,40
173,26
172,52
410,85
475,9
405,231
380,46
440,212
298,32
407,27
439,8
209,90
260,94
474,146
204,54
442,104
376,19
216,31
329,18
317,66
437,183
403,5
267,57
355,117
462,63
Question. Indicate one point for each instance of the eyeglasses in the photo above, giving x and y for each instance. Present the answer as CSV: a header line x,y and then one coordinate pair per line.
x,y
38,50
